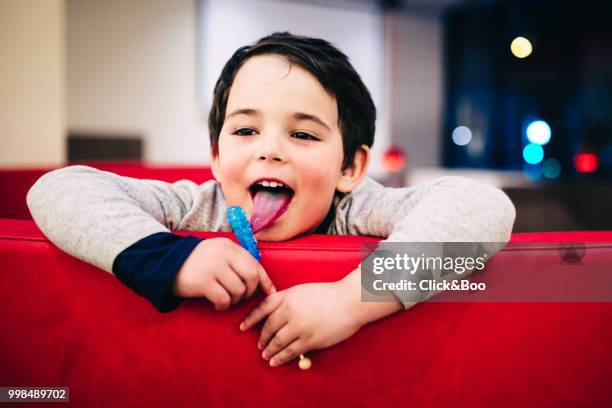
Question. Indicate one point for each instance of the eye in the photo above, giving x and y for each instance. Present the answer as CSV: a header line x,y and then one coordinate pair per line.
x,y
303,136
244,132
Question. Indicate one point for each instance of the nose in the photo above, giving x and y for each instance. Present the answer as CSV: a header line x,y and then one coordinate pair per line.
x,y
271,149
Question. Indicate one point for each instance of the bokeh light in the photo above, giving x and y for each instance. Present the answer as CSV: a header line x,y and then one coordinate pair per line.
x,y
532,171
538,132
521,47
586,162
462,135
533,153
394,160
551,168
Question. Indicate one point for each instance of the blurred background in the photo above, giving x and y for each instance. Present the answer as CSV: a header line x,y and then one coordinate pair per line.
x,y
516,94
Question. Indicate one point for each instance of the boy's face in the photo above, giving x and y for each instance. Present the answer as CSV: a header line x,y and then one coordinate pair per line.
x,y
281,124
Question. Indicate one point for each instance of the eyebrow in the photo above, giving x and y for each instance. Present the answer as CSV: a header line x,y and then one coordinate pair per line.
x,y
250,112
313,118
296,115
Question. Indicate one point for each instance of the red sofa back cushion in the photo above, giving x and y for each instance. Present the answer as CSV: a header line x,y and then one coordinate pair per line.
x,y
65,323
15,183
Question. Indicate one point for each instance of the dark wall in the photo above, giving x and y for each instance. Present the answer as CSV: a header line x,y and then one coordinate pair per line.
x,y
567,81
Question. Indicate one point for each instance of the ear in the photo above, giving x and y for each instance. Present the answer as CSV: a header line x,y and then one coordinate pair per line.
x,y
355,172
214,161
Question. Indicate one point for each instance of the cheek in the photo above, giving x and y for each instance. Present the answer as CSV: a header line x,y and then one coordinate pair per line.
x,y
231,164
230,172
319,175
320,179
322,169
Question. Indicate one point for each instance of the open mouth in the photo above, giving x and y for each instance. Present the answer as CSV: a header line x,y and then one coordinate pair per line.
x,y
271,199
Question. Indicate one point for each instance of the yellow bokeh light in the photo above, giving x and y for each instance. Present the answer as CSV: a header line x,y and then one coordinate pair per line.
x,y
521,47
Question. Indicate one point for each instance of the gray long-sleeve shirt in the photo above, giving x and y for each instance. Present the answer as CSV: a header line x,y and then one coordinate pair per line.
x,y
95,215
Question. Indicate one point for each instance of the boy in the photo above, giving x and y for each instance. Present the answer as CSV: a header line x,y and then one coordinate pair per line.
x,y
291,129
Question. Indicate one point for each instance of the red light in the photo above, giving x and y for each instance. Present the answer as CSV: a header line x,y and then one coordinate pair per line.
x,y
393,160
586,162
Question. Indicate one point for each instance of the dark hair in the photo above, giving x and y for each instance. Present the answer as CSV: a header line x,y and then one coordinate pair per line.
x,y
356,111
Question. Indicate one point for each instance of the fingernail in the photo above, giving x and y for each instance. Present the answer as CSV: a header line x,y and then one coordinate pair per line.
x,y
259,346
264,355
273,363
242,325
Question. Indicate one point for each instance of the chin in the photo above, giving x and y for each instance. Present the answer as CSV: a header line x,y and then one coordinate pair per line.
x,y
274,234
279,232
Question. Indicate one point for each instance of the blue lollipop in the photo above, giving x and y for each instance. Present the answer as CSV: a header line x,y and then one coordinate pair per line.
x,y
242,228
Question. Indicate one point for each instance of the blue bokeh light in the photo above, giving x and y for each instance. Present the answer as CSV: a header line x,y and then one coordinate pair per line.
x,y
551,168
538,132
532,171
462,135
533,153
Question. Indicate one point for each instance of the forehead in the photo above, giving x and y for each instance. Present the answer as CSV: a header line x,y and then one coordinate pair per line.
x,y
273,85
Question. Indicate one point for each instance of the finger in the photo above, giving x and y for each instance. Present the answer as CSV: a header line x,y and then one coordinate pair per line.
x,y
233,284
290,352
265,281
273,324
247,268
281,339
217,295
267,306
244,261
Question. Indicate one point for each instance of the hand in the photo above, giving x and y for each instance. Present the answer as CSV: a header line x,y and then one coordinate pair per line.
x,y
305,317
221,271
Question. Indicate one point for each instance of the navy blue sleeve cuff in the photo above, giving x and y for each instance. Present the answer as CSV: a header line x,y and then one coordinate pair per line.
x,y
150,266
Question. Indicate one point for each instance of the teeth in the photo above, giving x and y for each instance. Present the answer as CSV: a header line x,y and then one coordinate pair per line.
x,y
272,184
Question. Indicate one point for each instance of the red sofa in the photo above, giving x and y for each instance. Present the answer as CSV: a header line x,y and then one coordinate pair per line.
x,y
65,323
15,182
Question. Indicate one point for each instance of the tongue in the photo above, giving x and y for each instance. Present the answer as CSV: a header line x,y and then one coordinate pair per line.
x,y
267,207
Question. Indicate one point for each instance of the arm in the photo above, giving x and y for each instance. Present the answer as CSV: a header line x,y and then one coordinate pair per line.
x,y
449,209
122,225
95,215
